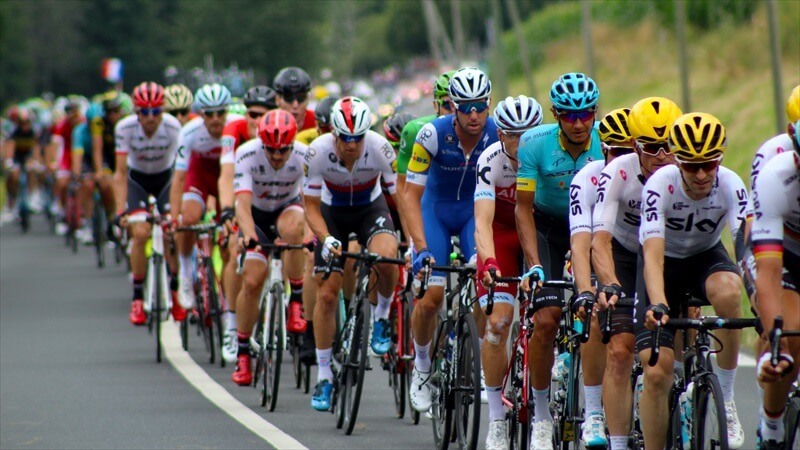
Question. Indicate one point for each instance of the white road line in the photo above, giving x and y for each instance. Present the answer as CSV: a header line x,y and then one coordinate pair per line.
x,y
219,396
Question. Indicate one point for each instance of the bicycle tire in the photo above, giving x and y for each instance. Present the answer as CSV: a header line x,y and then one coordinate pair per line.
x,y
442,403
674,431
354,381
468,385
518,417
259,351
98,233
203,330
574,412
792,423
185,334
275,346
397,379
709,425
215,314
295,341
408,345
157,308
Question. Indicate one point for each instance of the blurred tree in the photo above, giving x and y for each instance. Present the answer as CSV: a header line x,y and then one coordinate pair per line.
x,y
16,67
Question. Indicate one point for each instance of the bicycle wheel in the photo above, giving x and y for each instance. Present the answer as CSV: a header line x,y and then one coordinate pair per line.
x,y
518,418
574,414
442,402
185,334
258,350
709,425
674,431
394,366
203,319
792,423
295,341
468,384
99,233
157,304
408,356
215,314
275,345
356,364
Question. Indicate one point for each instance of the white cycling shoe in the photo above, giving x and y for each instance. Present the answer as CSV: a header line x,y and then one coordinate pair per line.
x,y
230,346
420,390
186,292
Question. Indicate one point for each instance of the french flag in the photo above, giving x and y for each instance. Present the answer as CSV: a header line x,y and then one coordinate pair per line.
x,y
112,70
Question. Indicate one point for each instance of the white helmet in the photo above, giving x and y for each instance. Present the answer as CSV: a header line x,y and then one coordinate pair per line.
x,y
351,116
518,113
469,83
212,96
177,96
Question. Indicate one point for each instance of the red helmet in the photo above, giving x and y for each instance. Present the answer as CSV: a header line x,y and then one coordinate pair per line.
x,y
148,95
277,129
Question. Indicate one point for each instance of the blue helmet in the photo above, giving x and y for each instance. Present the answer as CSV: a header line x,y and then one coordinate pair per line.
x,y
574,91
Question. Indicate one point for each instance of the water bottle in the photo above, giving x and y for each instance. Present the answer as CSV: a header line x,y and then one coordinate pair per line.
x,y
561,366
637,396
686,413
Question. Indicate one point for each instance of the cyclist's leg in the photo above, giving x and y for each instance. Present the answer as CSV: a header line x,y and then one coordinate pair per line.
x,y
140,233
290,224
378,232
12,186
107,192
309,299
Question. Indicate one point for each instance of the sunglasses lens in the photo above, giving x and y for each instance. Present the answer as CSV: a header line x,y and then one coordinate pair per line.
x,y
290,98
574,116
150,111
655,149
281,150
346,138
254,114
468,108
218,112
445,105
706,166
182,112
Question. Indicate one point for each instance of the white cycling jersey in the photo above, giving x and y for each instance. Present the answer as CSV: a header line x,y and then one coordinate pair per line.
x,y
497,181
770,148
776,198
148,155
690,226
327,177
619,202
272,189
195,139
583,197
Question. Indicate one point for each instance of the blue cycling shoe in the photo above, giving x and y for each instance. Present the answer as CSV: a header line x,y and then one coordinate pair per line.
x,y
321,400
381,336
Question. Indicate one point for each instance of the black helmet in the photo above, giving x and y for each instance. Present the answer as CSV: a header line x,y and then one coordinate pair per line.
x,y
393,126
260,96
292,80
322,113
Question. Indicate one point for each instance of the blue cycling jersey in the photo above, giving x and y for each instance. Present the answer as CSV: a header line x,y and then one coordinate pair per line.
x,y
82,138
438,162
547,169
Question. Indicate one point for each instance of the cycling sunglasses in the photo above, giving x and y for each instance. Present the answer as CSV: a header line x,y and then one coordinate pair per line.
x,y
113,111
444,104
181,112
290,97
282,150
653,149
215,112
255,114
617,150
694,167
468,108
346,138
513,135
149,111
573,116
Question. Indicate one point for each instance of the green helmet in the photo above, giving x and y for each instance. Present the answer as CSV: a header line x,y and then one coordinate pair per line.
x,y
442,84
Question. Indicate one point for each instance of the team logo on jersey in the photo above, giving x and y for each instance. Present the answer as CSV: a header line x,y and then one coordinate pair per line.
x,y
574,203
483,172
671,189
424,135
333,158
679,206
449,139
594,181
623,175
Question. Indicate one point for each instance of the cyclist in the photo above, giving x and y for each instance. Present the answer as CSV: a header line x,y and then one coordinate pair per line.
x,y
684,207
83,169
348,163
549,157
61,146
498,246
258,100
197,170
441,106
322,117
292,85
146,147
178,100
615,245
269,175
439,192
393,129
776,246
21,152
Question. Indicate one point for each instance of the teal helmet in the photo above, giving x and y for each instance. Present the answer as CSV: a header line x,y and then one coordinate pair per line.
x,y
442,85
574,91
794,133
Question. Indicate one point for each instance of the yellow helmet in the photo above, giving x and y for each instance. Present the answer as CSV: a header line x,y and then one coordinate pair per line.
x,y
793,105
614,127
697,137
650,118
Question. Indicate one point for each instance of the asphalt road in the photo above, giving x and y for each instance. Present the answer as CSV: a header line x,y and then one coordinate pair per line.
x,y
75,374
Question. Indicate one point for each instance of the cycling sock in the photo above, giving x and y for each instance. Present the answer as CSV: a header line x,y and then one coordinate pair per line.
x,y
594,399
619,442
726,380
422,358
480,343
324,371
772,426
541,410
186,265
296,286
230,319
173,281
138,287
382,310
244,343
496,409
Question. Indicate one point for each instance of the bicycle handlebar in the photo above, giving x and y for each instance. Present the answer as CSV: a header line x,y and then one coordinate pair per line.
x,y
703,324
273,247
605,329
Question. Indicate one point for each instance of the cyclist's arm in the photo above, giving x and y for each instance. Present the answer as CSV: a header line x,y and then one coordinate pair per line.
x,y
96,131
653,250
416,177
121,180
484,235
77,151
8,149
602,258
314,217
580,245
176,191
244,214
225,186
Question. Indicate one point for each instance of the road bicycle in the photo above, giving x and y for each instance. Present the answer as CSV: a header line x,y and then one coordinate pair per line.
x,y
350,346
455,378
157,298
268,340
23,204
208,312
698,398
73,214
792,415
99,227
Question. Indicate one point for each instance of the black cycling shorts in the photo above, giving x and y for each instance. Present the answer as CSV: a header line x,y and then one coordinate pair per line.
x,y
365,221
266,222
552,236
625,266
680,275
141,184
